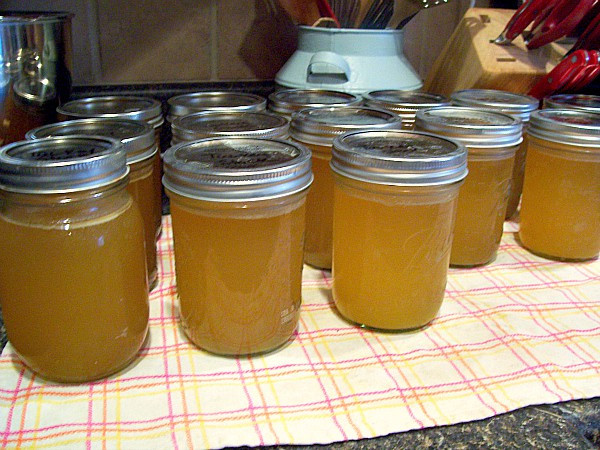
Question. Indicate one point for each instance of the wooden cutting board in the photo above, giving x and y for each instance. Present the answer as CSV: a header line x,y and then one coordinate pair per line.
x,y
470,60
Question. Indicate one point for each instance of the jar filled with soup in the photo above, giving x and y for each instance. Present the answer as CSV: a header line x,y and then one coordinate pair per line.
x,y
73,286
395,201
491,139
585,102
204,125
317,128
560,210
142,154
238,207
516,105
286,102
404,103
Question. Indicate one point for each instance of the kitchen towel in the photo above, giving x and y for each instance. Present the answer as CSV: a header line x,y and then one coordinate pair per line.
x,y
520,331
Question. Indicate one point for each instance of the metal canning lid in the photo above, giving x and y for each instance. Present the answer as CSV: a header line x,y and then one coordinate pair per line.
x,y
471,126
405,103
237,169
61,164
321,126
232,124
399,158
184,104
589,103
115,106
516,105
566,126
289,101
136,137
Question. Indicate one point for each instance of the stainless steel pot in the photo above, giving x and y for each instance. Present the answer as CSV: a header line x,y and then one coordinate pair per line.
x,y
35,70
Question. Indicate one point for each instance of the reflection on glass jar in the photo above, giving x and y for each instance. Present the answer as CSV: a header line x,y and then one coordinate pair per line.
x,y
238,227
491,139
73,285
395,201
560,211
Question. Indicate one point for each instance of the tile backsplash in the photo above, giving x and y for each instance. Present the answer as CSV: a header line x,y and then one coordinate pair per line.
x,y
147,41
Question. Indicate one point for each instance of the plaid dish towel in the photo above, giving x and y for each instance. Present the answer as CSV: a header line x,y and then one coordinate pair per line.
x,y
520,331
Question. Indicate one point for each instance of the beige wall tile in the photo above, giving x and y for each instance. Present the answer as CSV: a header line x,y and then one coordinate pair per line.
x,y
154,40
255,38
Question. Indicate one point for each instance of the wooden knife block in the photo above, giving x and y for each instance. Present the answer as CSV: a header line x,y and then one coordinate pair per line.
x,y
470,60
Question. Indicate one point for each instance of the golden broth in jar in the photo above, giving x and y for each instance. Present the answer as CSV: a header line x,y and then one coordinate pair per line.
x,y
142,158
395,200
73,285
316,128
560,211
491,139
238,227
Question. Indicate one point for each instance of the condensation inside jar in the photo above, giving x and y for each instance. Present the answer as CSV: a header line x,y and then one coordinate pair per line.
x,y
238,208
316,128
73,281
395,200
560,211
492,140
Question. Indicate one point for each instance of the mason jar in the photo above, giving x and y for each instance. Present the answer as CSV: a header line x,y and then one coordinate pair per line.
x,y
144,177
228,124
286,102
316,128
404,103
516,105
395,200
560,210
215,101
73,286
238,207
491,139
121,107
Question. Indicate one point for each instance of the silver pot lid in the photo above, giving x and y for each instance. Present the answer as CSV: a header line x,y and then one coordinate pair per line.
x,y
405,158
237,169
61,164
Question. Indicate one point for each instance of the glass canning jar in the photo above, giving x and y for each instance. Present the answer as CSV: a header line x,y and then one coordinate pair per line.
x,y
560,209
215,101
238,207
73,286
204,125
491,139
317,128
286,102
404,103
516,105
143,160
395,201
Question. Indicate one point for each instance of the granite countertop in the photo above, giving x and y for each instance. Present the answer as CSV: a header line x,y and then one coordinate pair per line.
x,y
568,425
